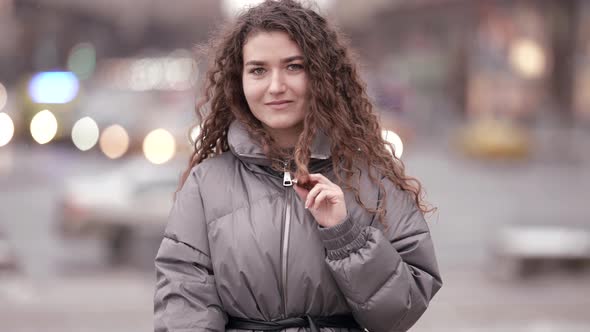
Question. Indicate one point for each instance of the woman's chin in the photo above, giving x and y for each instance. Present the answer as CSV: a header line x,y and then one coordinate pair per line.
x,y
284,125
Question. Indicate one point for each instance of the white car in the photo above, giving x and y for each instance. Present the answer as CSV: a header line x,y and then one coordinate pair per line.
x,y
524,250
135,197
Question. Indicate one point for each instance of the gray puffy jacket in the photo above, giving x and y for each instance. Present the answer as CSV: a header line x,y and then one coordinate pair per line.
x,y
239,243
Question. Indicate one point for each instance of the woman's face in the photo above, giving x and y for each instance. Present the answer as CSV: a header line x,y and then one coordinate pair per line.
x,y
275,84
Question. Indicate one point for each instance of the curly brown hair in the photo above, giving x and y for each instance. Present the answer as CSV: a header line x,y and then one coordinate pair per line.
x,y
337,100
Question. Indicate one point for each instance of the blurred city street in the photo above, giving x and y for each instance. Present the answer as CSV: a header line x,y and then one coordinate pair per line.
x,y
68,286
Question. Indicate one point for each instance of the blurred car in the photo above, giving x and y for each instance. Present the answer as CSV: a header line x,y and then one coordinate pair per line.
x,y
490,138
527,250
132,198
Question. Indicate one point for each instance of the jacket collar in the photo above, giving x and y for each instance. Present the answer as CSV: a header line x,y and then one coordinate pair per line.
x,y
247,150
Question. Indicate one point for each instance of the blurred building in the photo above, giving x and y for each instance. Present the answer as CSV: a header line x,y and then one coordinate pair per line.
x,y
37,35
426,62
507,58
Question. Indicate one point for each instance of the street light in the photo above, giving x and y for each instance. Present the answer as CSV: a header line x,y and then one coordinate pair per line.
x,y
232,7
6,129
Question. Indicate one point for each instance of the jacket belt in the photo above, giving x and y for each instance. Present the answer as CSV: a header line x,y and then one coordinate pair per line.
x,y
314,323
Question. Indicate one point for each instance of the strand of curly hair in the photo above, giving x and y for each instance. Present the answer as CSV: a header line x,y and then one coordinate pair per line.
x,y
337,100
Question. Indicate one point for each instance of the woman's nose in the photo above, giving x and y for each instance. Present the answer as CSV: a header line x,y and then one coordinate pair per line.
x,y
277,84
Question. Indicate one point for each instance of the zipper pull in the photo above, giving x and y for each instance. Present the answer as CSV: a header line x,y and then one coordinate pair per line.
x,y
287,182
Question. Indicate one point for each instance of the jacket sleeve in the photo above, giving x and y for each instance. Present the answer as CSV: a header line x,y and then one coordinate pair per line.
x,y
388,275
186,298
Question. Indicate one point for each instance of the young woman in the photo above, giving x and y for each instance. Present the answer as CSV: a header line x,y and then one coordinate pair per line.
x,y
292,215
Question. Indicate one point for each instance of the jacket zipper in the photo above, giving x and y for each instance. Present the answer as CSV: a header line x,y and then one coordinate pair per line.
x,y
287,182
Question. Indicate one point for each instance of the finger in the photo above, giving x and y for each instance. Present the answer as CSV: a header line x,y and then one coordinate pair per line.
x,y
313,193
320,199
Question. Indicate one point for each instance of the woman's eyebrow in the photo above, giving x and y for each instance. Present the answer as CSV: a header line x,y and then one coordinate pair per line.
x,y
292,58
285,60
255,63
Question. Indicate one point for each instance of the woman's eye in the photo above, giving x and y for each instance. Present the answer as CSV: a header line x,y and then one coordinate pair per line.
x,y
257,71
295,66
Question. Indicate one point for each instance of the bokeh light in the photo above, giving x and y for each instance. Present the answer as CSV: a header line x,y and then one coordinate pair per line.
x,y
395,140
6,129
82,60
114,141
159,146
55,87
232,7
194,134
527,58
85,133
43,127
3,96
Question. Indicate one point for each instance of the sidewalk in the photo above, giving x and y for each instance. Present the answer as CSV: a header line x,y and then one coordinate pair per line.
x,y
121,301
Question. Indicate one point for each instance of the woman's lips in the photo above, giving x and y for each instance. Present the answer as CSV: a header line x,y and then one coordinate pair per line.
x,y
279,105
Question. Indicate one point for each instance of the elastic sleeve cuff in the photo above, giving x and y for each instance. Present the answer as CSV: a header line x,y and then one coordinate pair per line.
x,y
342,239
